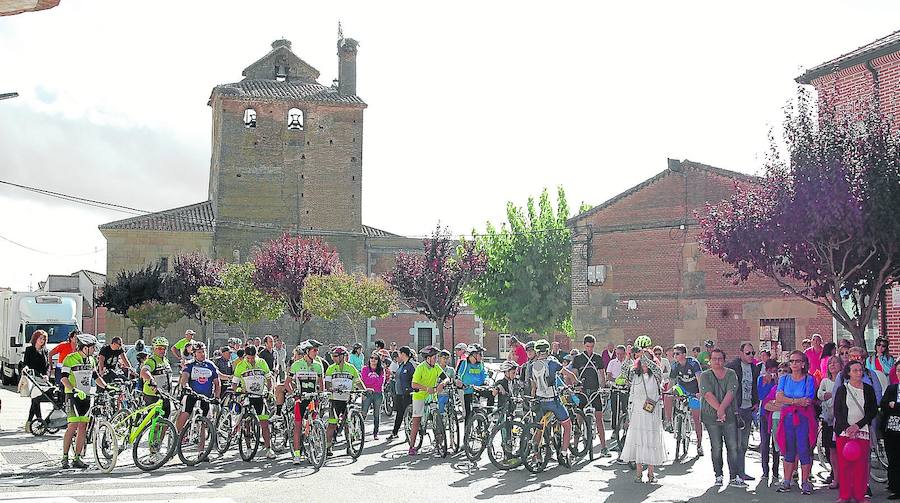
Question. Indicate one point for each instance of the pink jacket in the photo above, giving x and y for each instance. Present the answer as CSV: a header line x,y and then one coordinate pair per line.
x,y
373,380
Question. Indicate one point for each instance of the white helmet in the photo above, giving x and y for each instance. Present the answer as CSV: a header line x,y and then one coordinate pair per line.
x,y
85,340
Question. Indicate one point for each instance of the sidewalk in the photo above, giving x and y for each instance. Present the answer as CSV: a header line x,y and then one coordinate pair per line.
x,y
21,453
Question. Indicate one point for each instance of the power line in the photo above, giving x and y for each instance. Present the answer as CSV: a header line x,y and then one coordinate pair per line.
x,y
4,238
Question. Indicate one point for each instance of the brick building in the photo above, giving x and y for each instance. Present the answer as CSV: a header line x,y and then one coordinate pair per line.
x,y
287,156
637,269
866,76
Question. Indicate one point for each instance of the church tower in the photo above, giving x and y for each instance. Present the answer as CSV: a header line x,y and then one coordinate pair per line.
x,y
286,151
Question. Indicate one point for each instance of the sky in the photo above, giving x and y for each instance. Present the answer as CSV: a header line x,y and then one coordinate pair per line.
x,y
470,104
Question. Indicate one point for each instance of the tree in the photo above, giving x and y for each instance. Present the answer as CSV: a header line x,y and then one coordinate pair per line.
x,y
282,266
238,302
153,314
527,285
432,283
132,288
821,223
354,298
189,272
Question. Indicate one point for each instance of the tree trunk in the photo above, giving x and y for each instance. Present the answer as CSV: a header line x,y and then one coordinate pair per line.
x,y
300,326
859,334
439,326
140,332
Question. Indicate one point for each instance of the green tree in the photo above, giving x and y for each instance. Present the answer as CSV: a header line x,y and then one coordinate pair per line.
x,y
153,314
238,302
132,288
527,285
353,298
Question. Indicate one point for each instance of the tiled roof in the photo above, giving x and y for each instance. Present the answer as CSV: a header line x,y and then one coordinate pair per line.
x,y
192,218
372,232
881,47
674,165
300,91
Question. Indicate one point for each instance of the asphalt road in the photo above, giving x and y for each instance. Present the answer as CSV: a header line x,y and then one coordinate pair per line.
x,y
384,472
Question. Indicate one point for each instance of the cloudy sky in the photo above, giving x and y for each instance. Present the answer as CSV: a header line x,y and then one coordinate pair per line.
x,y
470,104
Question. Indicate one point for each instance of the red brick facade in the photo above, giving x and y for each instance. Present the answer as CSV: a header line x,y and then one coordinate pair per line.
x,y
657,280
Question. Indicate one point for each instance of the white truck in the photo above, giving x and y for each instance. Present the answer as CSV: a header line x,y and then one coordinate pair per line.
x,y
21,313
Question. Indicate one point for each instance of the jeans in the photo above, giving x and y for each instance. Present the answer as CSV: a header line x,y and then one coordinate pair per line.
x,y
718,434
767,448
375,400
401,402
744,439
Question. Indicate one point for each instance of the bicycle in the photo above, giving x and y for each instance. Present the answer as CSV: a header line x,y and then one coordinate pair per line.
x,y
579,443
151,435
451,416
247,427
431,417
281,426
540,439
479,425
504,446
312,429
619,394
352,424
197,437
683,425
226,417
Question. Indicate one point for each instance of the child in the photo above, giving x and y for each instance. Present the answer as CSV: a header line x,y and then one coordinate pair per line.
x,y
770,413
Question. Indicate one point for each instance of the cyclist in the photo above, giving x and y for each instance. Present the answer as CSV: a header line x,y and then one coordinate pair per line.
x,y
684,374
304,376
340,377
78,369
182,349
202,377
425,383
591,373
157,374
448,373
472,373
542,376
255,379
523,369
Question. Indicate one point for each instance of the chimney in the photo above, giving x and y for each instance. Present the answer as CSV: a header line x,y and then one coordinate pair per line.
x,y
347,66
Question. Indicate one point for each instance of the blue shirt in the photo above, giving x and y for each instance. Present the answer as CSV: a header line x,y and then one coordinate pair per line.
x,y
804,388
472,375
201,376
403,380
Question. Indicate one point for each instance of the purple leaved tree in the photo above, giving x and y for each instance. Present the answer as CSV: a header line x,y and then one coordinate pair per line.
x,y
822,223
282,266
432,282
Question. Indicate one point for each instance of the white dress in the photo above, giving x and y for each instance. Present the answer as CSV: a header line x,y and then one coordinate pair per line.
x,y
644,442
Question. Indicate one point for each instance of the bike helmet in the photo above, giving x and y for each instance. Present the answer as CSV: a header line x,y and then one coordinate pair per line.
x,y
308,344
357,346
475,348
444,353
508,365
643,342
542,346
85,340
339,351
709,343
529,346
428,351
461,347
160,341
199,346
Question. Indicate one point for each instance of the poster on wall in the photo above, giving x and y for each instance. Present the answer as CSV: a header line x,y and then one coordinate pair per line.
x,y
895,295
768,333
765,346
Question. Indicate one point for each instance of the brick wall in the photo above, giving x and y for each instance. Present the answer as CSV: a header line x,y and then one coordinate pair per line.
x,y
892,327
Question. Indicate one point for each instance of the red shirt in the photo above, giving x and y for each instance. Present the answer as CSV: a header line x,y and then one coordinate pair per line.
x,y
62,349
519,354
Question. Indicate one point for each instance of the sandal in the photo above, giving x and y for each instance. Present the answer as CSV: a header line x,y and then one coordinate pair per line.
x,y
652,479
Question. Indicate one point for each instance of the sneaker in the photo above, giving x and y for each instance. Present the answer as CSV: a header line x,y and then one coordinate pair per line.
x,y
412,451
65,463
392,436
699,452
296,459
765,476
27,426
806,488
785,487
869,492
604,452
78,463
719,480
270,454
375,436
329,453
747,478
737,482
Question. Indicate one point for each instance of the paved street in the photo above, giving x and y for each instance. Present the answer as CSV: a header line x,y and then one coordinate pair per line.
x,y
383,470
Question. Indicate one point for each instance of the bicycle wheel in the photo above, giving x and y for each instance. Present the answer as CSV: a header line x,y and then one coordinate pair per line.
x,y
824,458
440,435
355,434
621,429
106,450
407,422
314,444
681,439
387,404
248,436
475,439
580,442
878,463
451,424
195,441
155,445
280,437
224,431
536,449
754,440
505,450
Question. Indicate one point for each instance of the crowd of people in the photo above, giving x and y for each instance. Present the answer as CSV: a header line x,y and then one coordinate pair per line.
x,y
840,391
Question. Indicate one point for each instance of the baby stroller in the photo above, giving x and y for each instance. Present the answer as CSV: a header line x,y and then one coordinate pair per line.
x,y
57,418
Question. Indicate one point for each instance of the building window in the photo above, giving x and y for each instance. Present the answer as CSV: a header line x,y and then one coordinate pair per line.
x,y
295,119
786,332
249,118
164,264
423,337
504,345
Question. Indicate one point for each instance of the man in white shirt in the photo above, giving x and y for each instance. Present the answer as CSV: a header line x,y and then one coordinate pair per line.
x,y
614,368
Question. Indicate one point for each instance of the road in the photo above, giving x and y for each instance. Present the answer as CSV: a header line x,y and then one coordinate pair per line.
x,y
384,472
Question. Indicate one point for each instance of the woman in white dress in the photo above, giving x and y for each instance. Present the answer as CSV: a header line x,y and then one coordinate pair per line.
x,y
644,442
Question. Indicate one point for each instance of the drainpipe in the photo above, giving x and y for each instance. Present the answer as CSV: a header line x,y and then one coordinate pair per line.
x,y
875,84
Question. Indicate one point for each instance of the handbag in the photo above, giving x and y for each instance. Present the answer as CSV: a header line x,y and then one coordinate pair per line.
x,y
892,424
649,405
24,386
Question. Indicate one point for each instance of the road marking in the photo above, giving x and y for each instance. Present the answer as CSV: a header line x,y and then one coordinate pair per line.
x,y
107,492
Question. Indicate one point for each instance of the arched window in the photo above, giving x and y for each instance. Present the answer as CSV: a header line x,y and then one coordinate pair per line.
x,y
249,117
295,119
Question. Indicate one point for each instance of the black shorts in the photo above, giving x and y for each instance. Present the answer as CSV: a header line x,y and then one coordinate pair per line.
x,y
338,409
190,400
300,407
259,405
596,403
77,409
152,399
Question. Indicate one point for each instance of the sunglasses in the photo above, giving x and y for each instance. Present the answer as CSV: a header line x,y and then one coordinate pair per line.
x,y
750,353
676,353
796,361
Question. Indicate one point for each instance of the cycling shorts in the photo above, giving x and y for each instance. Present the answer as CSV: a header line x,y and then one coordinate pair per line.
x,y
300,407
190,400
596,403
259,405
338,408
418,408
152,399
77,409
556,407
